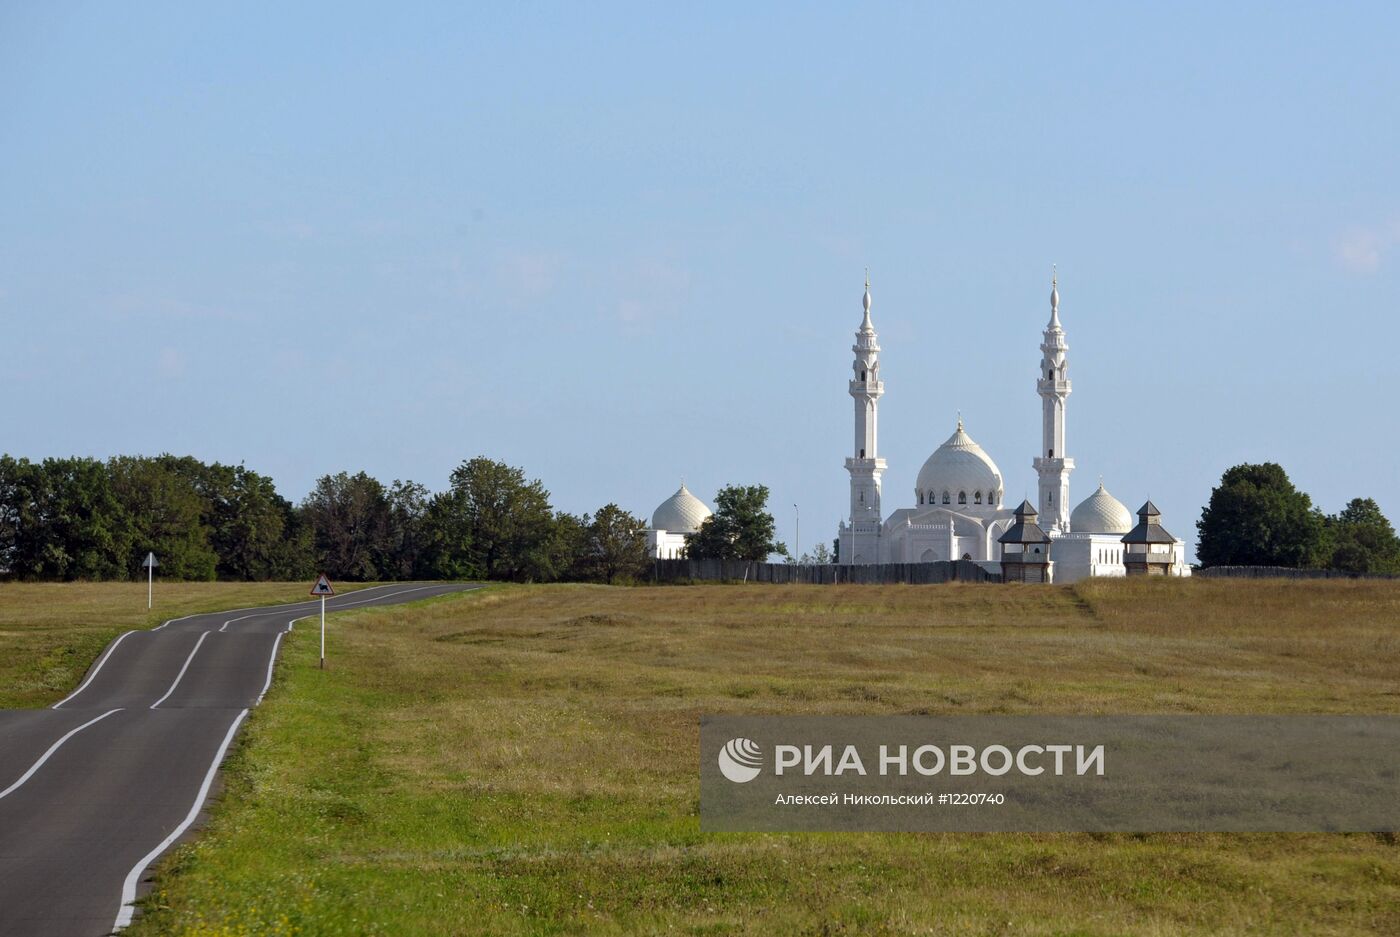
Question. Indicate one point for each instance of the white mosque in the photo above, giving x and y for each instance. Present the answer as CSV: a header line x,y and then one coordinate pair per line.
x,y
957,510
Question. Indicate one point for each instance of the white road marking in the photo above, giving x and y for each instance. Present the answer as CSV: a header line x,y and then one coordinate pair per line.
x,y
330,606
53,748
271,660
258,608
342,607
128,906
113,646
181,675
169,621
92,673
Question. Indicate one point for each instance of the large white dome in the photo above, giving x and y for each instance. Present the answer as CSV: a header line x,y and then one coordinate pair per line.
x,y
682,513
959,467
1101,513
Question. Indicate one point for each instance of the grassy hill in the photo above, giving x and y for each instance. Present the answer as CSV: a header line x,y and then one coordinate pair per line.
x,y
523,761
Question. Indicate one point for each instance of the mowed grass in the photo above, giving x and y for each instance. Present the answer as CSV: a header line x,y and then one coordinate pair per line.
x,y
523,760
50,633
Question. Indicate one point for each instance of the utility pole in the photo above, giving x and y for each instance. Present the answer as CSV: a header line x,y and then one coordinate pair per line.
x,y
797,536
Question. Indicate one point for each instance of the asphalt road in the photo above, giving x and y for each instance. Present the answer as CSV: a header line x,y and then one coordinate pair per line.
x,y
96,788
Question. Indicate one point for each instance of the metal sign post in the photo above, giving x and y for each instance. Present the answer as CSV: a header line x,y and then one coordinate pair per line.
x,y
323,588
150,564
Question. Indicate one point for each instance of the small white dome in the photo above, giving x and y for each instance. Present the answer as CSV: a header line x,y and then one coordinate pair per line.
x,y
960,466
682,513
1101,513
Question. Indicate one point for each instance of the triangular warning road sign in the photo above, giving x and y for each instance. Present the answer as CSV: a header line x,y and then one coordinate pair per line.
x,y
323,586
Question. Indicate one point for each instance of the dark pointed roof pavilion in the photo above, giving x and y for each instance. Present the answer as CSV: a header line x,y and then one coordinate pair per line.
x,y
1149,528
1025,530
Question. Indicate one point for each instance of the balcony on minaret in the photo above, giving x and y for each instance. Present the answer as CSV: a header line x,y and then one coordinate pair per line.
x,y
1054,388
867,388
1049,464
864,464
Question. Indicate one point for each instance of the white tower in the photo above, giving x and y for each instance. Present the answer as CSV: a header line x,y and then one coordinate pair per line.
x,y
860,542
1051,464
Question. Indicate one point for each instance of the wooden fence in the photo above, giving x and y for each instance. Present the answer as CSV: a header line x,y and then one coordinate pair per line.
x,y
1281,572
872,574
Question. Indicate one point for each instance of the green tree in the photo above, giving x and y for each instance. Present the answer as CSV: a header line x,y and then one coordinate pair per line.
x,y
350,524
446,536
61,520
615,546
407,555
562,554
1362,540
164,514
16,481
492,524
1257,518
253,529
740,529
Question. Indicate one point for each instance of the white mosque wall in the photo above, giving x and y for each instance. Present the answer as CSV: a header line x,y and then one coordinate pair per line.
x,y
1079,556
665,544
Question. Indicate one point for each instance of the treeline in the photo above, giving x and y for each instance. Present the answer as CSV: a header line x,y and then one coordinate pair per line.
x,y
81,518
1256,517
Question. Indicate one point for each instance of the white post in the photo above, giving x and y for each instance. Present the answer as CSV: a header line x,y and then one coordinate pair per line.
x,y
323,632
150,580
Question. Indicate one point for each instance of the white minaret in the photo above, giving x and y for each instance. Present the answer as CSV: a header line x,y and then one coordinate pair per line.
x,y
860,542
1051,464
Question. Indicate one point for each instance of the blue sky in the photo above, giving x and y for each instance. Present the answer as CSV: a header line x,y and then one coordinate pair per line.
x,y
616,245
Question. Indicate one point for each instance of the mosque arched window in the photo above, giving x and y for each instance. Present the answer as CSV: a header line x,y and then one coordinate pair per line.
x,y
862,375
946,499
977,497
962,497
921,497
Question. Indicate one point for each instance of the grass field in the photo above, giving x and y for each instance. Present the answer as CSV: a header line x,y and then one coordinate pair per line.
x,y
523,761
50,633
